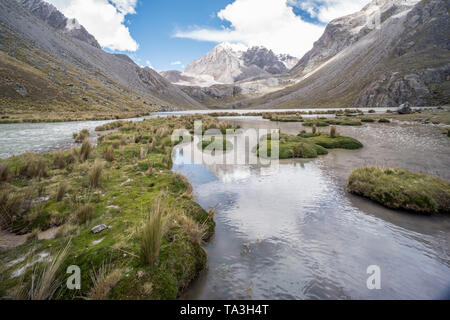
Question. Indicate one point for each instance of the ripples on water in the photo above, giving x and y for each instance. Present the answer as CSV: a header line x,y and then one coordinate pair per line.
x,y
297,234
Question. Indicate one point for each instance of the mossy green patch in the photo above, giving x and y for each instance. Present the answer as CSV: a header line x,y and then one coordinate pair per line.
x,y
304,145
128,186
402,189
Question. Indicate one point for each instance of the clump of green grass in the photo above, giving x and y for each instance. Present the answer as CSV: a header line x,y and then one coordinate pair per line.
x,y
81,136
103,281
109,154
85,151
58,161
45,281
367,120
4,172
401,189
95,174
34,168
153,232
384,120
62,188
339,142
11,204
220,144
84,213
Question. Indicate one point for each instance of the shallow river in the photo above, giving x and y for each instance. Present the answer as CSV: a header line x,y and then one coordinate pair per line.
x,y
296,233
17,138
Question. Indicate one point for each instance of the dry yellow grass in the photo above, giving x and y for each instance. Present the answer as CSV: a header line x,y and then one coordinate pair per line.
x,y
103,281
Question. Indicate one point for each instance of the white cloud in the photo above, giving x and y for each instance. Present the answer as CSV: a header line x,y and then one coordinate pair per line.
x,y
327,10
176,63
148,64
270,23
104,19
273,23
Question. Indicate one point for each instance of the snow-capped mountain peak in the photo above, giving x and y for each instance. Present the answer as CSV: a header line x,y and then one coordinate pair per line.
x,y
228,63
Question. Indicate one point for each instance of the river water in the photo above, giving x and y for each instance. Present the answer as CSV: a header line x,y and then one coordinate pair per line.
x,y
295,233
17,138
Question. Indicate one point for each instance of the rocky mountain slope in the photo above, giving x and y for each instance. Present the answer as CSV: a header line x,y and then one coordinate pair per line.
x,y
230,63
58,21
50,63
406,58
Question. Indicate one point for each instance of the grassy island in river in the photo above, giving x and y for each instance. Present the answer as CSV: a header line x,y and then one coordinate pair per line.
x,y
402,189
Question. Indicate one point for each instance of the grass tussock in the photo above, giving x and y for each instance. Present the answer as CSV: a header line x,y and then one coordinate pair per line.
x,y
11,205
34,168
84,214
104,280
95,174
153,232
333,132
81,136
4,172
62,189
109,154
401,189
45,280
85,151
196,232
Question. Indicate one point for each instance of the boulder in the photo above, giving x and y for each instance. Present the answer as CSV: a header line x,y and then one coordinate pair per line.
x,y
404,109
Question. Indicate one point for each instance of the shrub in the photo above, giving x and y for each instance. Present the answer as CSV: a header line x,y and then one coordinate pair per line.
x,y
84,213
383,120
95,174
153,232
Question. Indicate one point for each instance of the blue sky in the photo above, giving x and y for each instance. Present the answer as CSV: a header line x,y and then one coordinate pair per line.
x,y
155,23
168,34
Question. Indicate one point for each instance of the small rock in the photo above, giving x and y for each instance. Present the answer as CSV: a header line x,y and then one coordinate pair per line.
x,y
20,89
99,228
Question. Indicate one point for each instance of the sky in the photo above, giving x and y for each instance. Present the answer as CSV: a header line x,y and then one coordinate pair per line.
x,y
168,34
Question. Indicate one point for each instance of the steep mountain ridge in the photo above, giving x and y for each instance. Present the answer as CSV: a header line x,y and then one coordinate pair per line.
x,y
230,63
79,74
343,32
48,13
406,59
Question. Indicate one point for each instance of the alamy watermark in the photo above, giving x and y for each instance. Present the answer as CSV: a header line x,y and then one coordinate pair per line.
x,y
228,146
